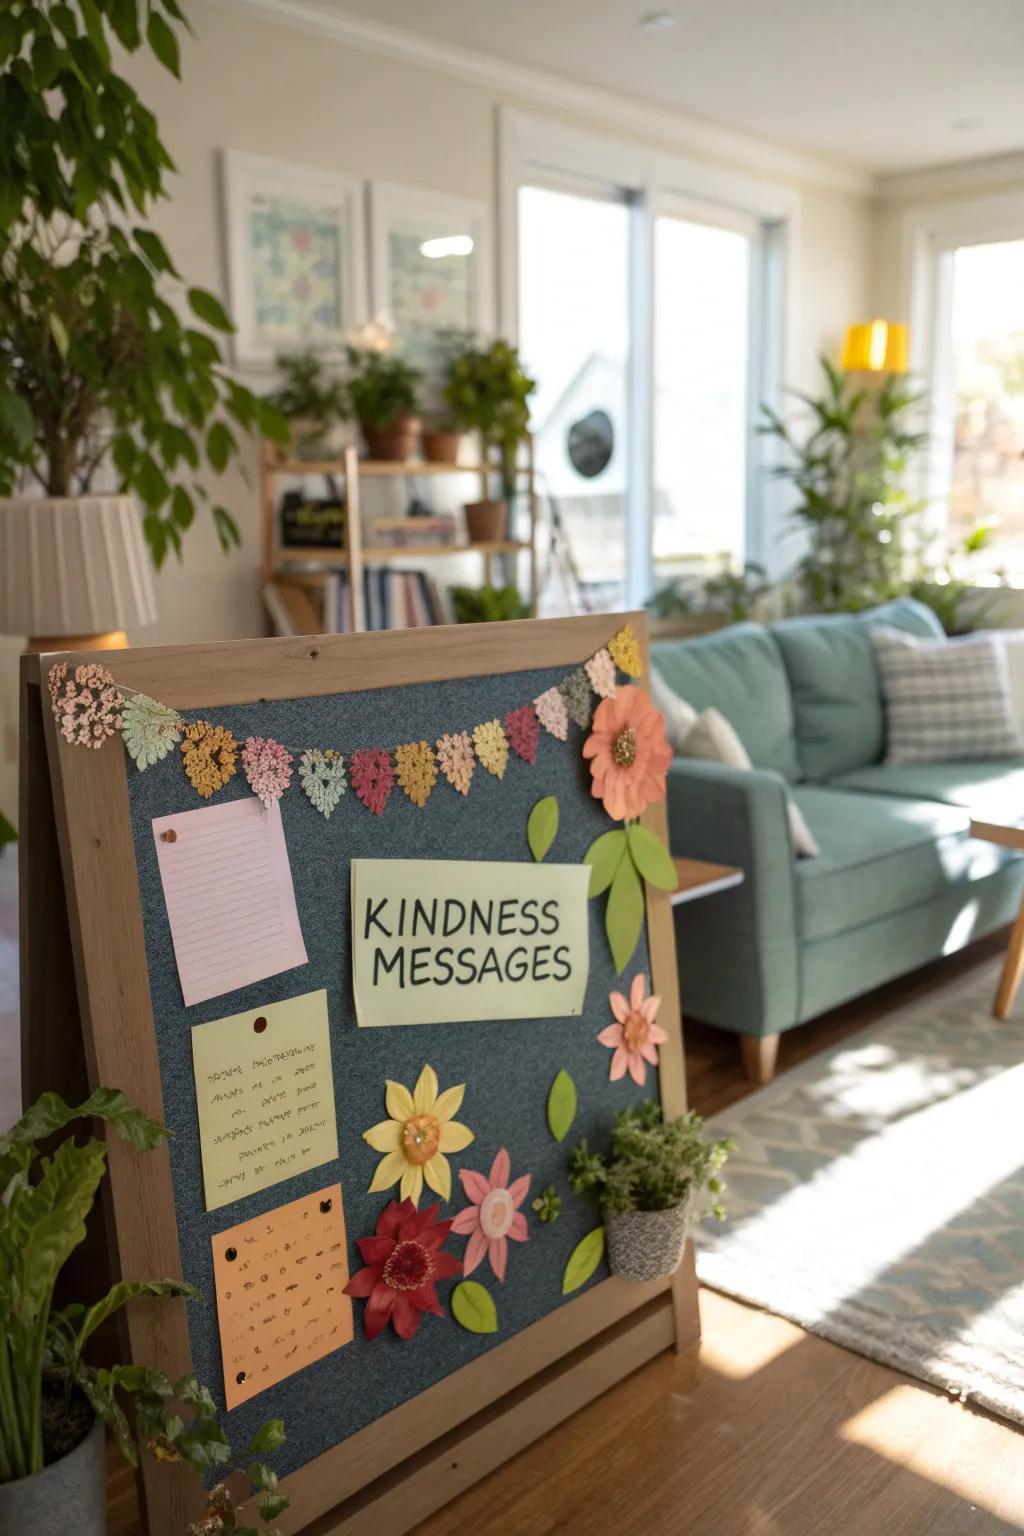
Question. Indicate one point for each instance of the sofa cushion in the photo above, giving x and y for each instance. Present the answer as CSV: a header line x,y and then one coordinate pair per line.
x,y
992,791
881,855
839,716
739,672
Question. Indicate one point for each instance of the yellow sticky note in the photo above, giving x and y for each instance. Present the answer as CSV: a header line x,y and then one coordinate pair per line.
x,y
435,941
266,1096
280,1281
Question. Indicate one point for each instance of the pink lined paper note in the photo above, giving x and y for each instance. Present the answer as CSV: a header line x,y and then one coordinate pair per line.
x,y
230,899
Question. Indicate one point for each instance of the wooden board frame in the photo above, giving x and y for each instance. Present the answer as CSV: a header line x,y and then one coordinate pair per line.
x,y
397,1470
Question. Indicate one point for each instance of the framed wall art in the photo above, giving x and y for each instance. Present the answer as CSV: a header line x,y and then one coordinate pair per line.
x,y
295,243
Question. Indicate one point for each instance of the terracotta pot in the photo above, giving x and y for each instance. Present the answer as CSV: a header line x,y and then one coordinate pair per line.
x,y
441,447
396,442
646,1245
486,521
70,1493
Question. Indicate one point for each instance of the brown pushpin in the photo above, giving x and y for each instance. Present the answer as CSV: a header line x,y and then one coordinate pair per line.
x,y
170,836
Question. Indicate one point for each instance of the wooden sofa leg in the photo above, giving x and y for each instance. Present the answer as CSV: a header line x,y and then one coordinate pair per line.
x,y
759,1054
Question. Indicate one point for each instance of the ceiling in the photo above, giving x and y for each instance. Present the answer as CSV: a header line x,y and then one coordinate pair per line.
x,y
881,85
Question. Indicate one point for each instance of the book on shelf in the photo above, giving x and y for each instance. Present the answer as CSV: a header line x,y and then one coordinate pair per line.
x,y
320,602
435,532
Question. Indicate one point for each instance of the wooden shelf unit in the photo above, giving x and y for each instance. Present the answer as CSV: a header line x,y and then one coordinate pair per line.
x,y
351,554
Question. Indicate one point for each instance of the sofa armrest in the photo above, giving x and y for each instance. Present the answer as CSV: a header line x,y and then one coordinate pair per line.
x,y
1013,648
739,950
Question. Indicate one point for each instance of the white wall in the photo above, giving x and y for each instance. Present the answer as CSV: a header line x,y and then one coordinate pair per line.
x,y
256,85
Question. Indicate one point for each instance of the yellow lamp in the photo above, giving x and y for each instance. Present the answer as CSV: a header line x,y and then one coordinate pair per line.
x,y
880,346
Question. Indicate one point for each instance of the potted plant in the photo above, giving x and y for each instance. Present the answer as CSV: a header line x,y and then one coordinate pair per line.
x,y
383,393
311,401
105,380
650,1186
485,605
487,390
54,1404
442,442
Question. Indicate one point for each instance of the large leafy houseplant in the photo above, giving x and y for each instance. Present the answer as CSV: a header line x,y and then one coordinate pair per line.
x,y
850,462
110,367
487,390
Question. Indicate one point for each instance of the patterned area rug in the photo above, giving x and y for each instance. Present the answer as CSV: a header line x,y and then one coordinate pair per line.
x,y
877,1196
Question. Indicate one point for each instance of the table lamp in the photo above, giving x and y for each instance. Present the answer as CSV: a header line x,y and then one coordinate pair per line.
x,y
75,572
880,346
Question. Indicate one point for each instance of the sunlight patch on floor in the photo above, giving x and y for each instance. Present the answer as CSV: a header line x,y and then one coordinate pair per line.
x,y
745,1346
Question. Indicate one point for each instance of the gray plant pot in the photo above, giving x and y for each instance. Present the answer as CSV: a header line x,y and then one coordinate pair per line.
x,y
70,1494
645,1245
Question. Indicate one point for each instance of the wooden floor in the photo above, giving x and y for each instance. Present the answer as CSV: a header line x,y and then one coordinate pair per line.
x,y
774,1432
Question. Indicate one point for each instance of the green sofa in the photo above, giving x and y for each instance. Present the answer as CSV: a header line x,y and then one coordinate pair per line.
x,y
899,880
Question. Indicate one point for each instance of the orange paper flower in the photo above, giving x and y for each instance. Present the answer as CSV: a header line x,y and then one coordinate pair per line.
x,y
628,753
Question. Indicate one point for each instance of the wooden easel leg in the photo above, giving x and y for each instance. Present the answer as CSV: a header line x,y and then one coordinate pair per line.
x,y
685,1304
1013,969
759,1053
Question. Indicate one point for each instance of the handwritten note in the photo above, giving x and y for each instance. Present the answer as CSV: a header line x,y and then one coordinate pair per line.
x,y
230,900
280,1282
265,1095
435,941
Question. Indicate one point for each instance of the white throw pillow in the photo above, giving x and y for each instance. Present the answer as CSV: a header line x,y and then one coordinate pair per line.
x,y
679,716
945,700
714,739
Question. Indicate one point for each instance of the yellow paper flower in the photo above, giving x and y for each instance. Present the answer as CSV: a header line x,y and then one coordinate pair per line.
x,y
416,771
491,747
421,1130
624,649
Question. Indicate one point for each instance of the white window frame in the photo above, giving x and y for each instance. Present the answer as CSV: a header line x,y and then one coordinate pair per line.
x,y
930,235
537,151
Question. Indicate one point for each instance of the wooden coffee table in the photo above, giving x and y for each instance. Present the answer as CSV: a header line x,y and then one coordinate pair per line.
x,y
699,878
1013,965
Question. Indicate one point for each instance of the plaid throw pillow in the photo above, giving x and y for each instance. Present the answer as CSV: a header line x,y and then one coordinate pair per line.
x,y
945,700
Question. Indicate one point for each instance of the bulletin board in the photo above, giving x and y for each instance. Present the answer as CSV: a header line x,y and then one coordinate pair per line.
x,y
373,1425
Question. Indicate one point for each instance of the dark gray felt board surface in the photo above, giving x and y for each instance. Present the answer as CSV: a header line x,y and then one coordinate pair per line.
x,y
507,1067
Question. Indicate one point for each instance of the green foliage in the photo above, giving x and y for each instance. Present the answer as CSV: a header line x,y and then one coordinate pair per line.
x,y
473,1308
733,594
953,598
654,1163
561,1105
308,396
7,832
548,1204
849,470
542,827
102,366
487,390
381,385
487,605
583,1261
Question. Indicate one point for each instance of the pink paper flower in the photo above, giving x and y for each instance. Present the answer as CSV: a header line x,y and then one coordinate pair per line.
x,y
634,1037
552,713
86,704
494,1218
267,767
523,732
372,773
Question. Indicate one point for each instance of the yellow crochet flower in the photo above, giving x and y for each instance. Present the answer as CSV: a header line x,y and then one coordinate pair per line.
x,y
624,649
491,745
421,1130
416,771
209,753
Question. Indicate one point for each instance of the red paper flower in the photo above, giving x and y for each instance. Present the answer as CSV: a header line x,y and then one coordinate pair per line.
x,y
523,731
403,1262
372,773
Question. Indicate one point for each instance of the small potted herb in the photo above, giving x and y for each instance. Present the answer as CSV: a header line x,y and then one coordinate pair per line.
x,y
487,390
650,1186
312,402
486,605
383,394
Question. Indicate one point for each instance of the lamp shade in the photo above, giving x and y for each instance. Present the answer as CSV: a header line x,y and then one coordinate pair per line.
x,y
75,565
880,346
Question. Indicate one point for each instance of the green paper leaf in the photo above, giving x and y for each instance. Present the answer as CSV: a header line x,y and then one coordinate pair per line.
x,y
542,826
652,859
624,914
473,1308
583,1261
561,1105
604,857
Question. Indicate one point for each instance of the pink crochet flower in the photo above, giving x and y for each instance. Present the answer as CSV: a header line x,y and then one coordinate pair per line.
x,y
523,732
494,1218
86,705
601,671
372,774
634,1037
455,755
268,768
552,713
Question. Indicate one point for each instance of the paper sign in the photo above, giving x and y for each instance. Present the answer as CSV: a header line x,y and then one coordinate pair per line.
x,y
265,1096
280,1282
230,900
438,941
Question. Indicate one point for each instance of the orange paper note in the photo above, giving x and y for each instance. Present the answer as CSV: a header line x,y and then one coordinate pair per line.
x,y
280,1281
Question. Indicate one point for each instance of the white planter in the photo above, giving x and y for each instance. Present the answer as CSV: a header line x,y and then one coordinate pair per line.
x,y
74,565
646,1245
70,1494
